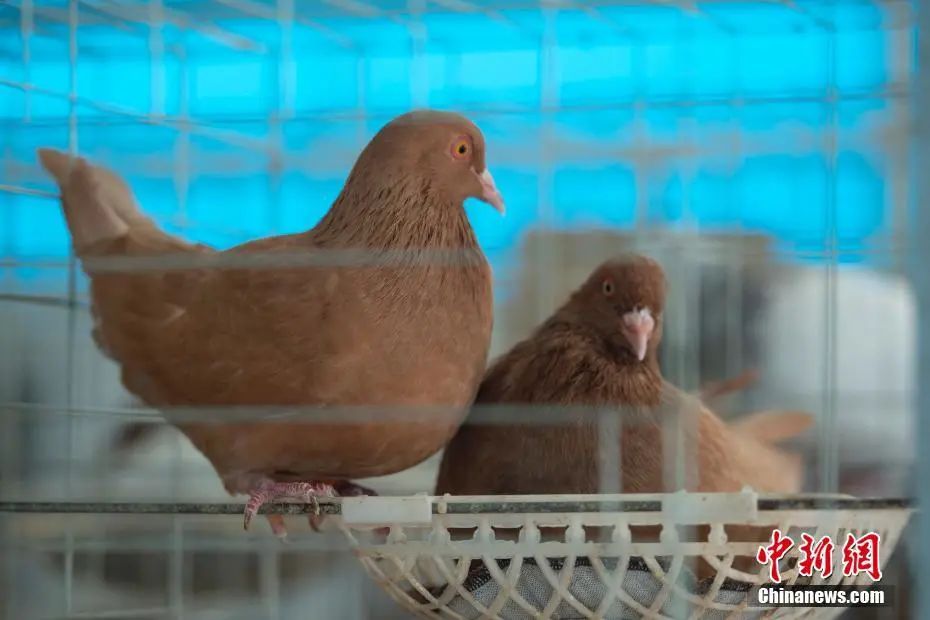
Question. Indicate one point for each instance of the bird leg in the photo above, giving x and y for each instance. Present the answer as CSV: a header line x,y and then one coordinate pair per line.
x,y
269,490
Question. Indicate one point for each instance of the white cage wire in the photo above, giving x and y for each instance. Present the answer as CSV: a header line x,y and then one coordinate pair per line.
x,y
64,84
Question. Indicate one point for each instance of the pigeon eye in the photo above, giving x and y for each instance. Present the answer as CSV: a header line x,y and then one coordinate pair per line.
x,y
460,148
607,287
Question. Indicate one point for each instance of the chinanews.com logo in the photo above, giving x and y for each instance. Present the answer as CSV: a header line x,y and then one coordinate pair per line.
x,y
859,555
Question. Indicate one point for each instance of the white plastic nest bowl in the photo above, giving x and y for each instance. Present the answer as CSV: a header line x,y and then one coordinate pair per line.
x,y
601,556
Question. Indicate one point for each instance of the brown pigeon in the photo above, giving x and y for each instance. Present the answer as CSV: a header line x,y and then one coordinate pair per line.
x,y
597,353
393,316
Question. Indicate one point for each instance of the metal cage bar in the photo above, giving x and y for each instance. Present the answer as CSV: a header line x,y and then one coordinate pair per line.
x,y
920,276
270,156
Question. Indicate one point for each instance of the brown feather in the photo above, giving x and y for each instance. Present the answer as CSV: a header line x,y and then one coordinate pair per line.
x,y
578,360
719,389
773,426
403,332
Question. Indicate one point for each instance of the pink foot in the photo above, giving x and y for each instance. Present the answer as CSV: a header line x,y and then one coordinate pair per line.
x,y
268,491
277,526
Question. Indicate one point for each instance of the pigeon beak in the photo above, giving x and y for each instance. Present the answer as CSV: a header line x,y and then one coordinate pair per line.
x,y
637,329
489,192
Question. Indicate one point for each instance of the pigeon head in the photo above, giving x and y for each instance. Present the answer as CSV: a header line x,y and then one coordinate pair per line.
x,y
444,147
623,301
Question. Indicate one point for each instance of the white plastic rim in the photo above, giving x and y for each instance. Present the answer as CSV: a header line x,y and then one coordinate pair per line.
x,y
671,555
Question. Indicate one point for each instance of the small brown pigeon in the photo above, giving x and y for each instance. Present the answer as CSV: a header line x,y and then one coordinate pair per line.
x,y
597,353
394,317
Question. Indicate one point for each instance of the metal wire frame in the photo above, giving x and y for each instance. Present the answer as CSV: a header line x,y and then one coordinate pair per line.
x,y
286,15
226,534
275,158
463,505
489,415
455,512
195,13
120,14
919,258
341,156
551,107
272,146
156,14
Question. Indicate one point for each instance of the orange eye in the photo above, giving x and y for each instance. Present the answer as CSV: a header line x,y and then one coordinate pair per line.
x,y
608,287
461,148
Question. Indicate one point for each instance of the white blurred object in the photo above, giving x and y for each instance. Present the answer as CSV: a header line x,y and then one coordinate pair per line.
x,y
875,329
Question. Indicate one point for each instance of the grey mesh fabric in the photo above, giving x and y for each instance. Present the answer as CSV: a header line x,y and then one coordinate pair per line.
x,y
589,590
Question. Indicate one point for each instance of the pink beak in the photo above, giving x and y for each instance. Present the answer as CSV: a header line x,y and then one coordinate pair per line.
x,y
489,192
637,329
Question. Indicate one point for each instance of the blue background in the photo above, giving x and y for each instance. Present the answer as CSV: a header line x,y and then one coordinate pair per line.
x,y
717,120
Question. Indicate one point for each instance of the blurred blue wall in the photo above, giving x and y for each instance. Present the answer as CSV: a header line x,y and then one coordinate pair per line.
x,y
716,120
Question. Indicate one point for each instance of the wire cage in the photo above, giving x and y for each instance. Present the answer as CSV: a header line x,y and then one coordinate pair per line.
x,y
763,152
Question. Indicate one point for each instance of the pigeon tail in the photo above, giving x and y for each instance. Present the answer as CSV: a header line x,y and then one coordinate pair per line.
x,y
101,209
773,426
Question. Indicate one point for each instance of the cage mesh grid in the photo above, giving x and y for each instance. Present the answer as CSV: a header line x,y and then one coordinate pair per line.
x,y
260,146
917,259
585,559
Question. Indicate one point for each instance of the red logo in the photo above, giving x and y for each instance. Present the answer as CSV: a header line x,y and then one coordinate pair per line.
x,y
775,551
860,555
817,557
